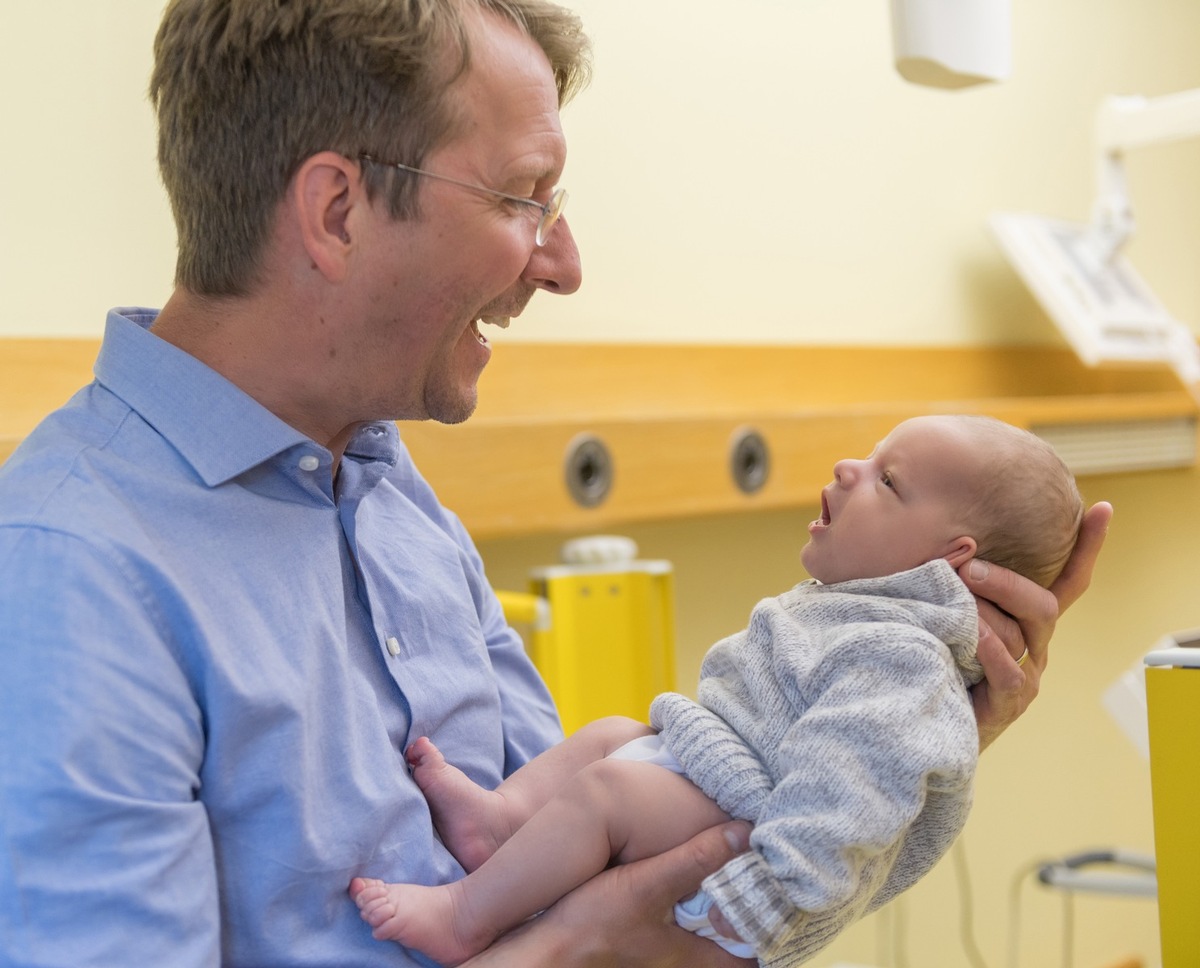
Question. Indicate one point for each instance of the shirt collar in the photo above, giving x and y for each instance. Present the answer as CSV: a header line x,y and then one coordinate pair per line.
x,y
377,442
219,429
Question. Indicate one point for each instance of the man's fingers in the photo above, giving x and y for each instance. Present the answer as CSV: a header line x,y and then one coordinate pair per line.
x,y
999,664
1014,609
1010,592
1077,574
682,869
1000,627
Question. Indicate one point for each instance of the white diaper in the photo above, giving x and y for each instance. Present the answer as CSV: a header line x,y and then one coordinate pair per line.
x,y
692,913
648,749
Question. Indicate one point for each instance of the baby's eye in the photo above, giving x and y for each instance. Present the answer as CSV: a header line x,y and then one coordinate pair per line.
x,y
887,480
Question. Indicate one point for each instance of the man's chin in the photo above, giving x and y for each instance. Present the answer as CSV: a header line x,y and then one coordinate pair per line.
x,y
453,411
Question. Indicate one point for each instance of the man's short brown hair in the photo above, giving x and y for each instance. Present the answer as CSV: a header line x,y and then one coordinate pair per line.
x,y
246,90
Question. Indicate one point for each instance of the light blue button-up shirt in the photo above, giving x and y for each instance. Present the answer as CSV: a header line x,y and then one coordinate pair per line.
x,y
211,660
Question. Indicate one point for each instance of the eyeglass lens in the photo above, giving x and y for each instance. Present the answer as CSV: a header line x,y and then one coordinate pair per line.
x,y
550,216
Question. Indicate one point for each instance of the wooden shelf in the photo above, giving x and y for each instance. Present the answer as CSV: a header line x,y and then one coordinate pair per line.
x,y
668,415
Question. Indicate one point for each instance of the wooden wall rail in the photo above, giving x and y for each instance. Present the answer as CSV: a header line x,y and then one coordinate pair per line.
x,y
668,415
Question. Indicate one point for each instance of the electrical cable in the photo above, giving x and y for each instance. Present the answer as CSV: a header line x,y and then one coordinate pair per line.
x,y
899,936
883,926
890,935
892,918
1072,875
1068,929
1014,910
966,910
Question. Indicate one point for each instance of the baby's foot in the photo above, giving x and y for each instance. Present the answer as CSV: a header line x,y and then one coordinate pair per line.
x,y
472,821
416,917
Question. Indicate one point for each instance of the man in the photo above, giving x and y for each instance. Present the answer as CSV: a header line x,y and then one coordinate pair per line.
x,y
228,598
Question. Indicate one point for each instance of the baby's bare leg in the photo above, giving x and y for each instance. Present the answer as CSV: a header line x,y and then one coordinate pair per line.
x,y
611,809
473,821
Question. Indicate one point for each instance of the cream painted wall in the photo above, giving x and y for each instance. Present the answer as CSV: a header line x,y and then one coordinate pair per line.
x,y
84,222
762,176
1062,780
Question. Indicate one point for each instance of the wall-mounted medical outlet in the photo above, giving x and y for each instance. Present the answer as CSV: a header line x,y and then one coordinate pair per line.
x,y
589,470
749,460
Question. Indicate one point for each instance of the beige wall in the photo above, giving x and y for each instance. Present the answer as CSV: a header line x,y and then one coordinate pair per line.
x,y
751,171
755,171
84,222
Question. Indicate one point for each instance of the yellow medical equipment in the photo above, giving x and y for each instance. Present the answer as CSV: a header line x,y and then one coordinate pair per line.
x,y
1172,699
602,634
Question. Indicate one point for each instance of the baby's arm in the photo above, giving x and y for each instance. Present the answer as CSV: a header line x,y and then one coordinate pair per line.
x,y
887,721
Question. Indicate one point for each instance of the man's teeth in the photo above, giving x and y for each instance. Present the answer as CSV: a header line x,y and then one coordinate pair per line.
x,y
501,321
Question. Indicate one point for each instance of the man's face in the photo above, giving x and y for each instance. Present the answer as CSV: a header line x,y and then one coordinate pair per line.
x,y
898,508
469,256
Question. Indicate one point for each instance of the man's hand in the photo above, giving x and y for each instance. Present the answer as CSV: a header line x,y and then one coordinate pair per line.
x,y
1017,618
623,918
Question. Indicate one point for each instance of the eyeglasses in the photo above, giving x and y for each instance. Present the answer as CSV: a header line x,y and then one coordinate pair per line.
x,y
550,211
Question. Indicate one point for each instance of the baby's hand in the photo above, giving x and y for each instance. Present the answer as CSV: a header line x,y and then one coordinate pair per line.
x,y
724,928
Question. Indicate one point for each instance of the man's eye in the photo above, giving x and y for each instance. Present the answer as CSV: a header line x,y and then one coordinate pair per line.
x,y
529,207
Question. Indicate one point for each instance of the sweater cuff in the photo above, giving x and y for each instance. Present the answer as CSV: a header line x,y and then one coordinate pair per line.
x,y
756,904
753,901
712,755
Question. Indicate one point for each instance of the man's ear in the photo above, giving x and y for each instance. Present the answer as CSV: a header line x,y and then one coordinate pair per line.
x,y
324,192
961,550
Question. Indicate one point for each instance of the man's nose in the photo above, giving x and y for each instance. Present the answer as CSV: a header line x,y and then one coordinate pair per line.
x,y
555,266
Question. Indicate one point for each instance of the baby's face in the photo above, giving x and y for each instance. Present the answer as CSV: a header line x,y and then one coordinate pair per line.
x,y
899,508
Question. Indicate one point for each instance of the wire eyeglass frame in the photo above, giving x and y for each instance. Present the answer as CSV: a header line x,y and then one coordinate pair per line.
x,y
551,210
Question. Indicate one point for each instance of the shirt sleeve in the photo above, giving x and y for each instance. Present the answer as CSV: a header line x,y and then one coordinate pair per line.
x,y
107,857
887,724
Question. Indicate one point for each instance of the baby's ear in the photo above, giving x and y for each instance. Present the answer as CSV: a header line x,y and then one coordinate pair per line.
x,y
960,551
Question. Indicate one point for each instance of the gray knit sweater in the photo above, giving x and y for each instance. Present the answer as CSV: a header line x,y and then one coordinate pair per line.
x,y
839,723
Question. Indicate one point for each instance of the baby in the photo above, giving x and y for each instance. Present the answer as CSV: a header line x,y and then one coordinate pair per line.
x,y
838,723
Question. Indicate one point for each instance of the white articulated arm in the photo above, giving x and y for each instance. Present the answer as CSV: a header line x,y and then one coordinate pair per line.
x,y
1124,122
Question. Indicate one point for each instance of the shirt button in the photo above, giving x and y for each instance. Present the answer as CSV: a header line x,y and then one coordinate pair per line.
x,y
309,463
393,645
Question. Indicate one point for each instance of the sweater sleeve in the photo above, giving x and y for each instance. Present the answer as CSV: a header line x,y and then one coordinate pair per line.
x,y
887,723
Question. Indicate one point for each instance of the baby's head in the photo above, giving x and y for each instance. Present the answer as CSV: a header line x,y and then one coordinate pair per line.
x,y
953,487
